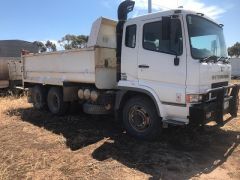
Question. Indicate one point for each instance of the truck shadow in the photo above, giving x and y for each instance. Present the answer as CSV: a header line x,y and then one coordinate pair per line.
x,y
180,153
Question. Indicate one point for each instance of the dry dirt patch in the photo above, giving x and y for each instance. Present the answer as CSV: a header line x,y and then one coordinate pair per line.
x,y
37,145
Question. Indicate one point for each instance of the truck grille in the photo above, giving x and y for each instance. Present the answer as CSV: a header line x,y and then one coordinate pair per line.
x,y
216,85
220,84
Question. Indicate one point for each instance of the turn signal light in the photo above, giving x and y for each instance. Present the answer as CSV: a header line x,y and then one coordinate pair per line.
x,y
194,98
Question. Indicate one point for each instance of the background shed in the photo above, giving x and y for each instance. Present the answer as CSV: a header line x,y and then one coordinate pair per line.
x,y
235,62
11,50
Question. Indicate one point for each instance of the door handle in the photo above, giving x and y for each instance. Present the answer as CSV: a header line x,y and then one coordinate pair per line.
x,y
144,66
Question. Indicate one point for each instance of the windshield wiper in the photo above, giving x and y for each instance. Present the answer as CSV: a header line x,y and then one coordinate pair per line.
x,y
223,59
209,59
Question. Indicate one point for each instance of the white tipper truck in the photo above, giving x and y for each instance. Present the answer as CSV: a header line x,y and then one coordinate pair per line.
x,y
163,68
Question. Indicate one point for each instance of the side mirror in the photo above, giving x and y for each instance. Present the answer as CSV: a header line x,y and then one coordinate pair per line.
x,y
172,32
166,28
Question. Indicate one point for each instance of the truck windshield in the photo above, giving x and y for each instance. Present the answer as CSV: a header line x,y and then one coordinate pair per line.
x,y
206,38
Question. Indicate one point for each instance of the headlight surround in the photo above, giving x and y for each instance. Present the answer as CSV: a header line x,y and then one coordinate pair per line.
x,y
194,98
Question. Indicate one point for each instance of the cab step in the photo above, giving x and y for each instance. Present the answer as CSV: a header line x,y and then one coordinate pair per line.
x,y
173,122
19,87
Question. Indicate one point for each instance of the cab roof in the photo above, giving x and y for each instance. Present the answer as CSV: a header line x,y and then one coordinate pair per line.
x,y
169,13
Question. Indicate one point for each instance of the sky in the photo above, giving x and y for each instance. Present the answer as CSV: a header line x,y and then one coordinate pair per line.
x,y
43,20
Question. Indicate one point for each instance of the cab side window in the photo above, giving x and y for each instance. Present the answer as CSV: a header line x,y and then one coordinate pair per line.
x,y
153,41
130,39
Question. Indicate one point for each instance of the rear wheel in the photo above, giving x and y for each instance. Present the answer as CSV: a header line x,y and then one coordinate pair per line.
x,y
39,97
140,118
55,101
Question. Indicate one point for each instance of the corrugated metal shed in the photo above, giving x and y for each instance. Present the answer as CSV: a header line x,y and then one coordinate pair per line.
x,y
235,62
11,50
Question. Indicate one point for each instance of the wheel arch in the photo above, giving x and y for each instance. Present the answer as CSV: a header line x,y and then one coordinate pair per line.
x,y
125,93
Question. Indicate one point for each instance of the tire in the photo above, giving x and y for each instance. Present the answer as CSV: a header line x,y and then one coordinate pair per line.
x,y
95,109
39,97
140,119
234,111
55,102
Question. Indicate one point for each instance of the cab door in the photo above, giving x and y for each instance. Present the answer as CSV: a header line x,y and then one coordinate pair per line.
x,y
162,63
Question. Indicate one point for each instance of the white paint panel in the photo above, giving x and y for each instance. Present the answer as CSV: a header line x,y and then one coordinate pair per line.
x,y
103,33
106,68
91,66
53,68
15,70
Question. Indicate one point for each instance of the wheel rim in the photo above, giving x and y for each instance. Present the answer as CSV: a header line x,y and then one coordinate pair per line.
x,y
55,102
37,99
139,119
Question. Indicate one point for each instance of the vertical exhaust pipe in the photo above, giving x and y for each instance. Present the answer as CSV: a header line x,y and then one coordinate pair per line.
x,y
149,6
124,8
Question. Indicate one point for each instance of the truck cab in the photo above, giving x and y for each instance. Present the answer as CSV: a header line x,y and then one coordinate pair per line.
x,y
179,59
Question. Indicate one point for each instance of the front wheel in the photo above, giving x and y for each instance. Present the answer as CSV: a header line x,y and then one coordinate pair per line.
x,y
140,118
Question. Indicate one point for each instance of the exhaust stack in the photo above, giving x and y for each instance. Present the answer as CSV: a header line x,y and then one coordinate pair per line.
x,y
124,8
149,6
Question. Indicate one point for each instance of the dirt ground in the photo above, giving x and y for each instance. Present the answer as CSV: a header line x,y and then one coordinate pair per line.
x,y
38,145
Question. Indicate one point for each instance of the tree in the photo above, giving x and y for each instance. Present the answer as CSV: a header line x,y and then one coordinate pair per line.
x,y
234,50
48,46
70,41
41,47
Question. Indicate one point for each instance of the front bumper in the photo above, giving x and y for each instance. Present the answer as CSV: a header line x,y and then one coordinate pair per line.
x,y
225,101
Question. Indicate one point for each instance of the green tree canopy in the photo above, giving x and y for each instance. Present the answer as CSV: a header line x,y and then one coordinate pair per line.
x,y
48,46
234,50
73,41
41,46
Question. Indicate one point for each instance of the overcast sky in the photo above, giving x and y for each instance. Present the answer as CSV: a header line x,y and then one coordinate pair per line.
x,y
52,19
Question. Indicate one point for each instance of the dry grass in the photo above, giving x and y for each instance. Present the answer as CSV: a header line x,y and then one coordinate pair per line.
x,y
4,172
37,145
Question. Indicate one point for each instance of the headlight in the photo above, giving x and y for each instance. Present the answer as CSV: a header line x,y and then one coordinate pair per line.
x,y
194,98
